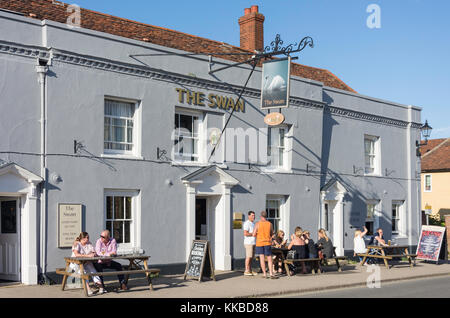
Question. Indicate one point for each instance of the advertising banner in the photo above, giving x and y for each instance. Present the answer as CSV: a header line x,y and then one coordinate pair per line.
x,y
430,243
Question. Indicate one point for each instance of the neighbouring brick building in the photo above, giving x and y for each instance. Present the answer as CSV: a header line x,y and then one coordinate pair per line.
x,y
90,123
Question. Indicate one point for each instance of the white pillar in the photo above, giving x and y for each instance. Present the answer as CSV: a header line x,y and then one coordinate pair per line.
x,y
190,217
223,230
30,239
322,212
339,225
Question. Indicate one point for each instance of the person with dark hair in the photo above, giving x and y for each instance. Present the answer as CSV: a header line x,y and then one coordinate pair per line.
x,y
378,238
83,248
249,243
107,246
263,233
311,247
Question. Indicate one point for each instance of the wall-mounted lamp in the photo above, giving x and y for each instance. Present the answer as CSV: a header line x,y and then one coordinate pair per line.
x,y
425,131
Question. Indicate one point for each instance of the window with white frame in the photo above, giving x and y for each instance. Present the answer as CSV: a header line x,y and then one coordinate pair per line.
x,y
273,209
120,122
397,208
121,217
276,147
371,154
428,183
370,217
186,136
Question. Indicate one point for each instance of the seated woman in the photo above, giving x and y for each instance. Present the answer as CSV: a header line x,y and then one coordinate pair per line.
x,y
83,248
298,245
311,250
278,241
325,244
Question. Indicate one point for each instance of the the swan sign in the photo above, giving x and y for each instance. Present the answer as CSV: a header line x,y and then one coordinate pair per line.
x,y
275,83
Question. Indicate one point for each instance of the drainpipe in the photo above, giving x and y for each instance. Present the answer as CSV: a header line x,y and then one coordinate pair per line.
x,y
41,70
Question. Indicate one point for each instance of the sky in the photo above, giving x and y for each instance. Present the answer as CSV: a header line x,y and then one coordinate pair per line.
x,y
403,59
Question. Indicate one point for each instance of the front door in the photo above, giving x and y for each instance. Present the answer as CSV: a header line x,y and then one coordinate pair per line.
x,y
9,239
201,220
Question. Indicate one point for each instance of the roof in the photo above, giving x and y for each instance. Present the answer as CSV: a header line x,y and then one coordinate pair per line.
x,y
57,11
436,155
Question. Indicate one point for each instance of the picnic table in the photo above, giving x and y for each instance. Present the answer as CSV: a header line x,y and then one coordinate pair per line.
x,y
134,267
282,253
387,253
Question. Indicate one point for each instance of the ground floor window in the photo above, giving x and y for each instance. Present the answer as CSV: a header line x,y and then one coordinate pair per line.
x,y
273,207
120,217
396,217
370,218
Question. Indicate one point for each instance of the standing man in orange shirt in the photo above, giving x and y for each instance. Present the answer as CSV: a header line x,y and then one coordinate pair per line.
x,y
263,233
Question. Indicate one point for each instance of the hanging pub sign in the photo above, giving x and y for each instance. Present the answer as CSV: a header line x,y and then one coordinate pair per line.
x,y
430,243
274,119
199,263
275,83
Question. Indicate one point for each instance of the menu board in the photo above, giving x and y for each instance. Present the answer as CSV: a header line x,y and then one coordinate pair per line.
x,y
69,224
199,263
430,243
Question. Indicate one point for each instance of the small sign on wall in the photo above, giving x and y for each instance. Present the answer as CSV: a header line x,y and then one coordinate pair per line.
x,y
237,220
69,223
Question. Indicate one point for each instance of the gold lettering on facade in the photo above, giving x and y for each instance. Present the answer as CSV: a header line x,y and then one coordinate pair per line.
x,y
213,101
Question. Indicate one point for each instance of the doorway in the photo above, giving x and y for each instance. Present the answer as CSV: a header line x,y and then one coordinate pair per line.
x,y
10,239
201,219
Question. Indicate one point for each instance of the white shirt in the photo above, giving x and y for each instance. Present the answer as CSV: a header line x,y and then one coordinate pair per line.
x,y
249,226
359,245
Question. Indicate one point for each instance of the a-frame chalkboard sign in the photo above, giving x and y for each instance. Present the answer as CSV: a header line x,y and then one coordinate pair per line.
x,y
199,263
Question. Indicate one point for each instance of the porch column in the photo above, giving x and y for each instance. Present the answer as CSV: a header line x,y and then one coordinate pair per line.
x,y
190,216
322,211
223,228
30,238
339,225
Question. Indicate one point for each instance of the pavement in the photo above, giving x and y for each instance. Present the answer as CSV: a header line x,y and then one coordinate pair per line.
x,y
233,284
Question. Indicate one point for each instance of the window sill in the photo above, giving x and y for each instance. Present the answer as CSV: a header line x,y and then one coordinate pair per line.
x,y
268,170
372,175
121,156
197,164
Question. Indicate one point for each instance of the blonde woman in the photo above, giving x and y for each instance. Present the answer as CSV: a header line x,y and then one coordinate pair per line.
x,y
298,245
279,242
83,248
359,246
325,244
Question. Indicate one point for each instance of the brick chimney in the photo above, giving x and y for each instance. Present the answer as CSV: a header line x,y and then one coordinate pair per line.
x,y
252,29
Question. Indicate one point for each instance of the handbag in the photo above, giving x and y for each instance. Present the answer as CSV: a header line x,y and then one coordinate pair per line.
x,y
291,254
320,254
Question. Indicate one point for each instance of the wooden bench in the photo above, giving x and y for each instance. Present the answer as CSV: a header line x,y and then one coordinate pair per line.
x,y
150,273
379,252
315,262
336,259
132,268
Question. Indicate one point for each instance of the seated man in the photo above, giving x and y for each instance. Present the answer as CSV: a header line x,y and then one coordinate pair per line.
x,y
107,246
377,239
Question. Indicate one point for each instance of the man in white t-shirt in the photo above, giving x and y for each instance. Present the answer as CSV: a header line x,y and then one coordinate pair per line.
x,y
249,243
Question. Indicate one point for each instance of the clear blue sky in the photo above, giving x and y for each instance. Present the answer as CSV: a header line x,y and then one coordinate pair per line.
x,y
405,61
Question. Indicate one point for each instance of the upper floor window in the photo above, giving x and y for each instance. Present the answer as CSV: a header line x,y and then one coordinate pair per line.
x,y
186,137
276,147
428,183
371,154
120,134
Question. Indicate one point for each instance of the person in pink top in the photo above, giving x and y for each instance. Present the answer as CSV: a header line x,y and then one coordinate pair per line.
x,y
107,246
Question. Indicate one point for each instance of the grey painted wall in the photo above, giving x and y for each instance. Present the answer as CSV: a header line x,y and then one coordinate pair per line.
x,y
330,142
